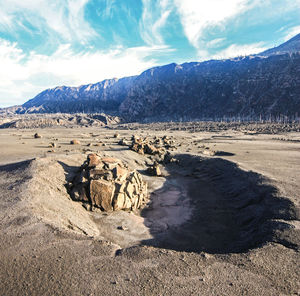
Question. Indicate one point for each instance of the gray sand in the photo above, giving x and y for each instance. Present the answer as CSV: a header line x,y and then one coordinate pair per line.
x,y
221,225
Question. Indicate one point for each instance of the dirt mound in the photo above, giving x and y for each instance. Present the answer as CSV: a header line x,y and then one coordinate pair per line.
x,y
203,204
43,195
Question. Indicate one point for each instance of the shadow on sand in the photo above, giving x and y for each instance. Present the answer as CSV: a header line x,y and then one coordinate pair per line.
x,y
70,171
231,210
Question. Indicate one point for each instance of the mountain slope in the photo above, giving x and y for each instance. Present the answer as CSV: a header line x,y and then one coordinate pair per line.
x,y
292,45
247,87
259,86
102,96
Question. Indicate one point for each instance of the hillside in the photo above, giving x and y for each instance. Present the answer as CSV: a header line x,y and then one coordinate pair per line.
x,y
292,45
256,86
102,96
247,87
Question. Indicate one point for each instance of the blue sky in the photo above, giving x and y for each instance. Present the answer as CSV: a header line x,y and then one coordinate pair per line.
x,y
46,43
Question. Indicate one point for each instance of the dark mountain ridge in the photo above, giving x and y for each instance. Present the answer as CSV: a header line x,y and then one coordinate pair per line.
x,y
102,96
292,45
242,87
255,86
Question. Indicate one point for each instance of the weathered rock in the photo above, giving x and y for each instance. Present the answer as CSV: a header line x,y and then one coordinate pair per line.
x,y
120,186
120,173
93,160
75,142
154,170
118,202
208,152
97,173
123,142
129,190
37,136
111,185
116,135
138,148
150,149
102,194
156,146
127,204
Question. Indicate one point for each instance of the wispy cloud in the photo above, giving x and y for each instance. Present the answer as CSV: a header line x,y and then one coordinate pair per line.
x,y
22,77
291,32
197,16
235,50
203,21
215,42
64,18
154,18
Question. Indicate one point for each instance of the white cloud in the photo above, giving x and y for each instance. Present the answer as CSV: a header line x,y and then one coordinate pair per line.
x,y
215,42
235,50
197,16
63,18
154,18
292,32
22,77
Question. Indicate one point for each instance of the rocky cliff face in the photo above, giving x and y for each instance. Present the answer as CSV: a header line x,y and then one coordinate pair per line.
x,y
245,87
103,96
258,86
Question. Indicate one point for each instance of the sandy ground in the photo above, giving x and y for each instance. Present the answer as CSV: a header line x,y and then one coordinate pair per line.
x,y
221,225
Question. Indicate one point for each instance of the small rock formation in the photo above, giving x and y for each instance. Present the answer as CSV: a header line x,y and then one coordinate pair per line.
x,y
209,152
107,183
154,170
52,145
75,142
146,146
37,136
157,147
123,142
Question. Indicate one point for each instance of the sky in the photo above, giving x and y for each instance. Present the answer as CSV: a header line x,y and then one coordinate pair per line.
x,y
48,43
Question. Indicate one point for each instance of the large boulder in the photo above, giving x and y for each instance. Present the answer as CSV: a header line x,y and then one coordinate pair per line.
x,y
102,193
108,184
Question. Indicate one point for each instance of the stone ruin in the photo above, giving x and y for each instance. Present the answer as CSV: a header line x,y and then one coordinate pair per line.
x,y
108,184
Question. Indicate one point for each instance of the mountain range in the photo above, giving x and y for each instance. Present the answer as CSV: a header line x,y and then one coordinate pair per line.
x,y
254,86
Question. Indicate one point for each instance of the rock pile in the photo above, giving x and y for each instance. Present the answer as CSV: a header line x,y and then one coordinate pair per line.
x,y
108,184
157,146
